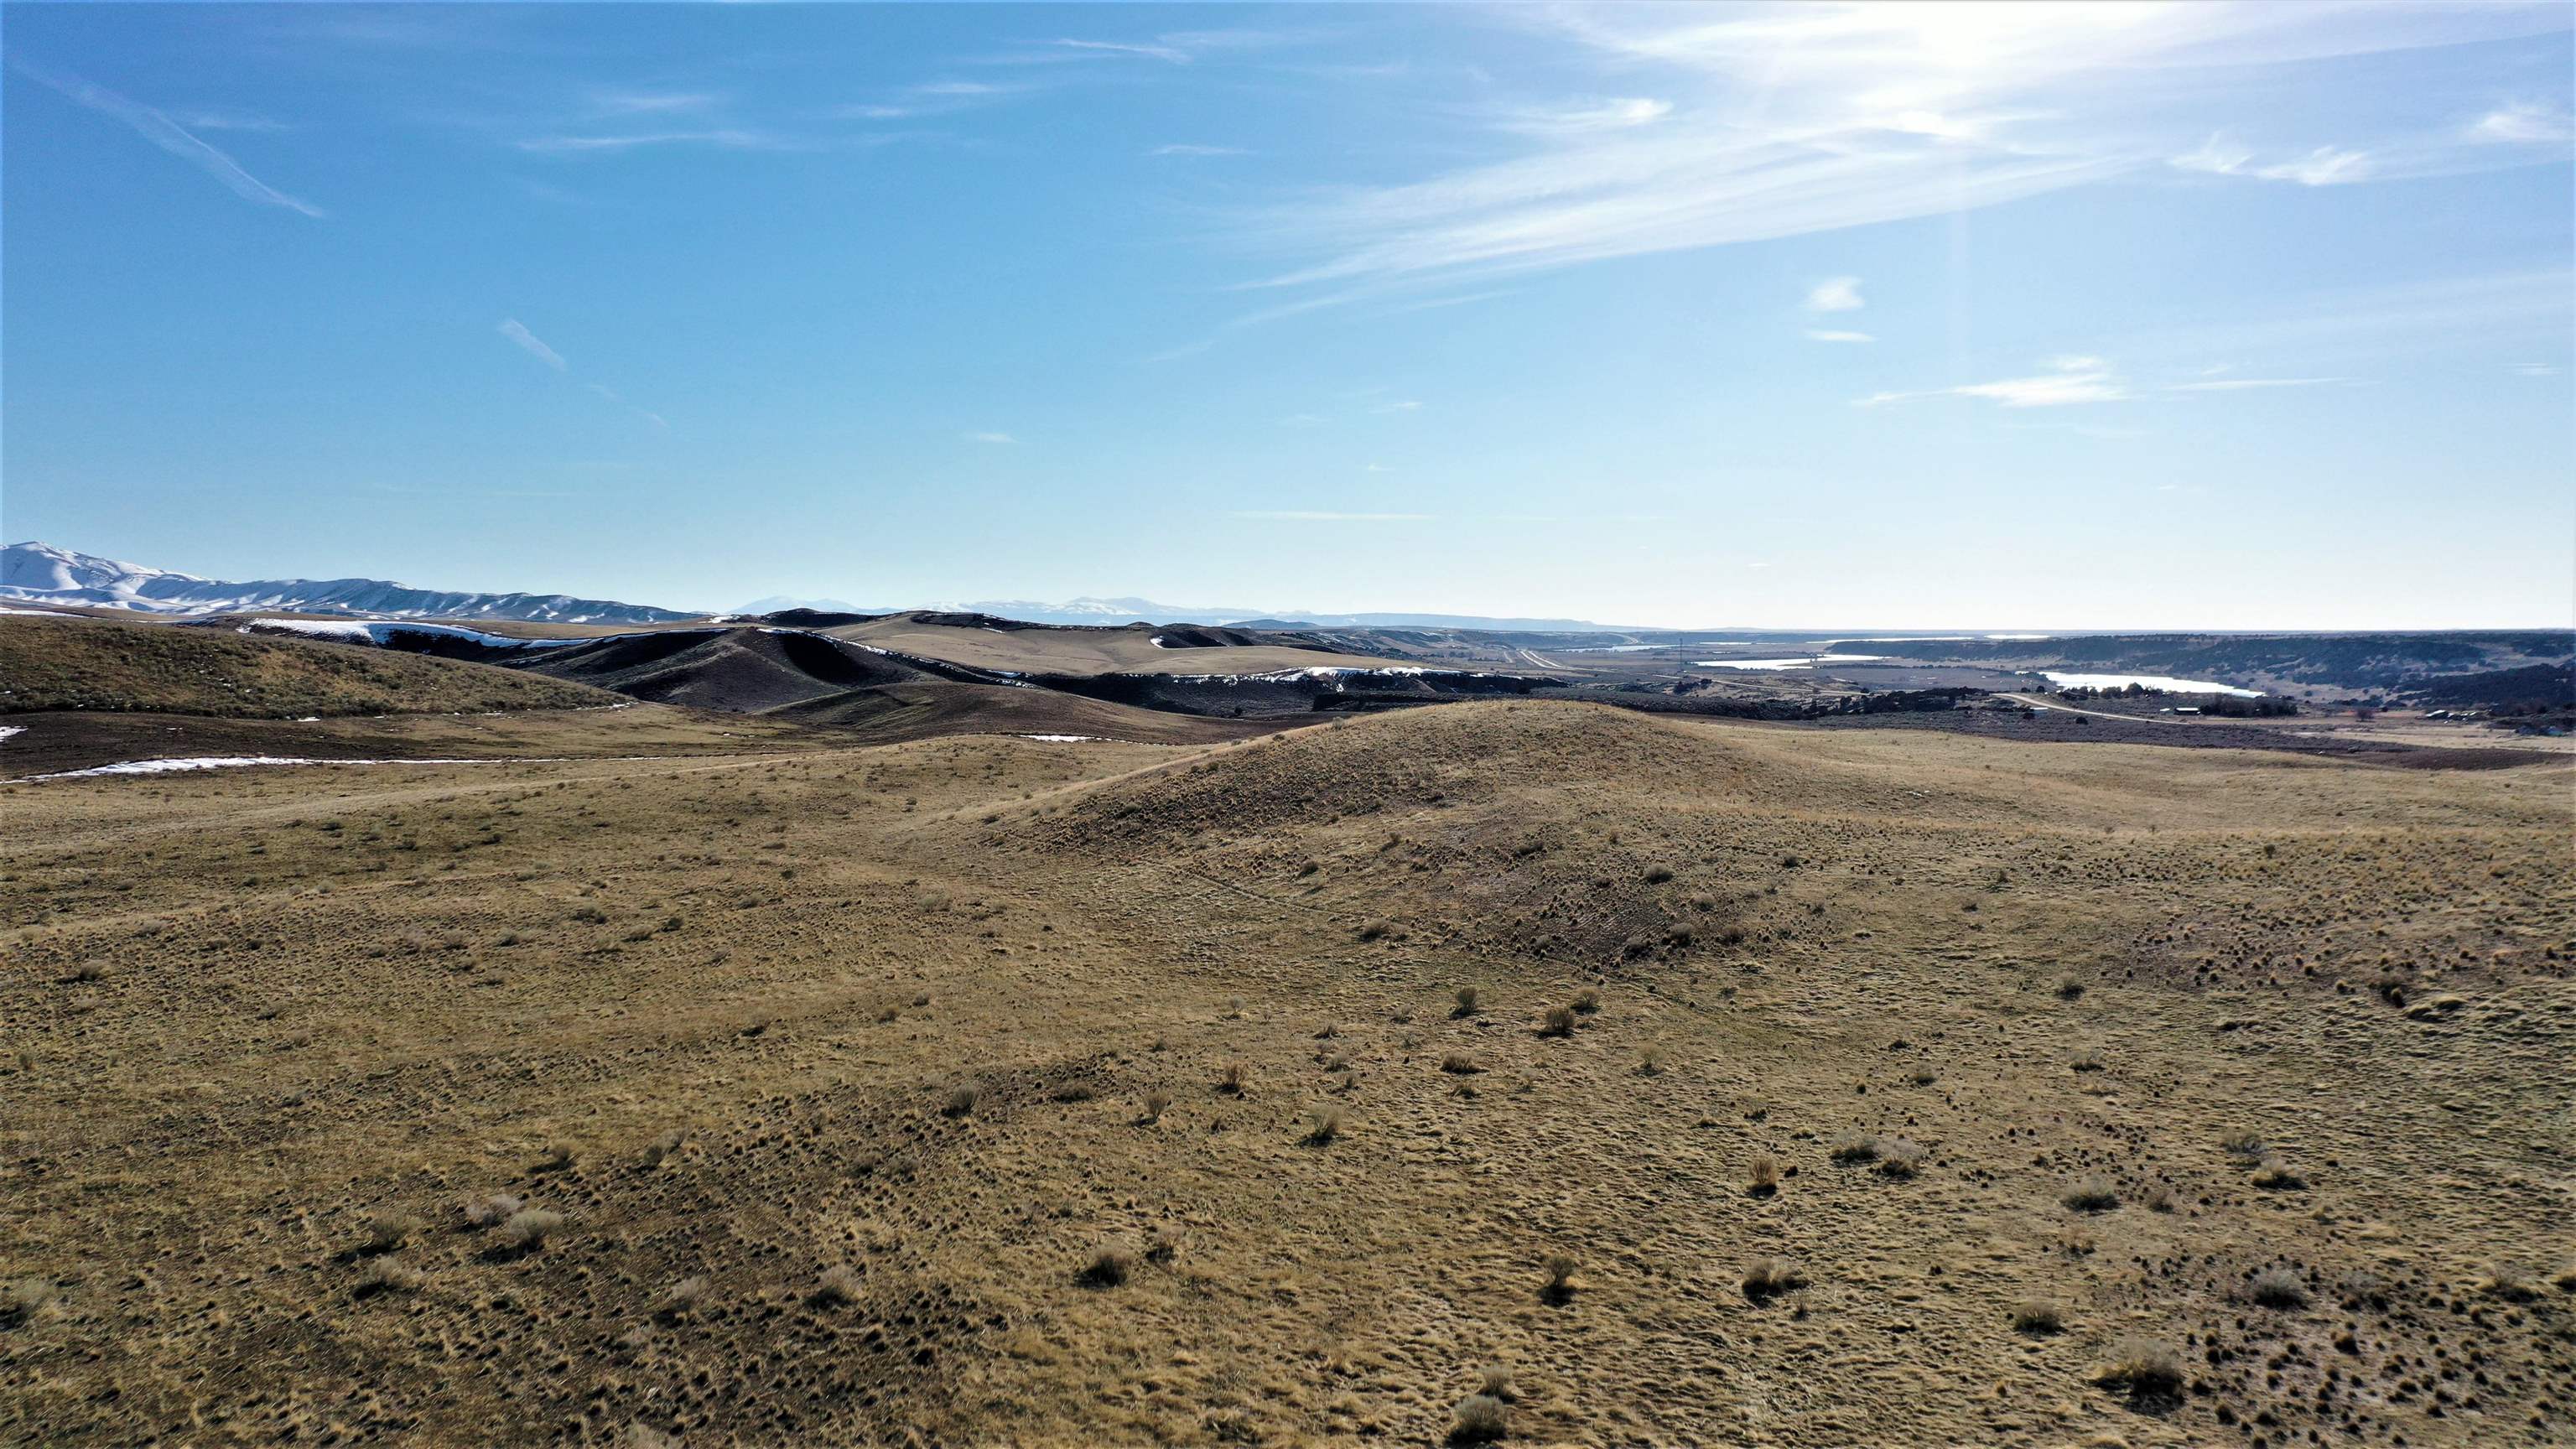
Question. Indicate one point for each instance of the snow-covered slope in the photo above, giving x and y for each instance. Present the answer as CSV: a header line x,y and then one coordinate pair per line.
x,y
43,573
40,573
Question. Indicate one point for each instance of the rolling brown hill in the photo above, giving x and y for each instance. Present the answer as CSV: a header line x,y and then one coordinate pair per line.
x,y
100,664
921,709
982,642
738,670
1708,1082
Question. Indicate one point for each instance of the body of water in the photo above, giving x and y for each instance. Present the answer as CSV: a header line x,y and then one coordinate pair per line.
x,y
1803,661
2147,681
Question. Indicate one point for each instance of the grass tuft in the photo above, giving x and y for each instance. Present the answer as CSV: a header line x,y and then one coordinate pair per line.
x,y
2092,1195
526,1230
1560,1284
1767,1278
1763,1179
1479,1419
2038,1318
1108,1268
2142,1368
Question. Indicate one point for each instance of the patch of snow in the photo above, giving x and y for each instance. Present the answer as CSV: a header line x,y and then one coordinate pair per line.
x,y
1065,739
379,632
7,730
1157,642
236,762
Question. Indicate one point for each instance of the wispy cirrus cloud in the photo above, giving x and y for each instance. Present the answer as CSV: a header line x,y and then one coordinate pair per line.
x,y
994,438
2064,381
1327,515
728,138
533,345
652,103
2524,123
529,343
1616,113
1172,54
1170,47
2255,384
219,119
611,394
170,136
2323,166
1832,334
1835,294
1187,149
928,98
1773,121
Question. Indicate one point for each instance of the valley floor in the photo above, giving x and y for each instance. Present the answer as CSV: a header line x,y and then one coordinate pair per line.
x,y
1825,1088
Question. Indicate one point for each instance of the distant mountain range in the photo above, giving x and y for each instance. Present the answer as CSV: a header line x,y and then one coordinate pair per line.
x,y
36,573
1129,611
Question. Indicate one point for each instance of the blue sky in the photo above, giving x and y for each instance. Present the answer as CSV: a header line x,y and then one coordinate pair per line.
x,y
2198,315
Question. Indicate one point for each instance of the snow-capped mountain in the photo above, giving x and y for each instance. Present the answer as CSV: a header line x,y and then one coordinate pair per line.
x,y
1072,611
38,573
1096,611
780,603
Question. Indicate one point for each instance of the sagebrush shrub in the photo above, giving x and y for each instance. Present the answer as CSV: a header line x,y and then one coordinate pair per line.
x,y
839,1285
2277,1287
528,1228
2092,1195
2145,1368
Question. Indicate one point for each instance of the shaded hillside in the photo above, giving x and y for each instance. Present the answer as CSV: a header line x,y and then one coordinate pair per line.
x,y
1278,693
742,670
100,664
2532,688
919,709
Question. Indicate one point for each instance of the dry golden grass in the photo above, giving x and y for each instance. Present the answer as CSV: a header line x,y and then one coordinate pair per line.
x,y
52,664
1086,651
343,1002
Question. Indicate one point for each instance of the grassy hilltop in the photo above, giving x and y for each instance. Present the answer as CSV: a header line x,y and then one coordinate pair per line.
x,y
1535,1069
